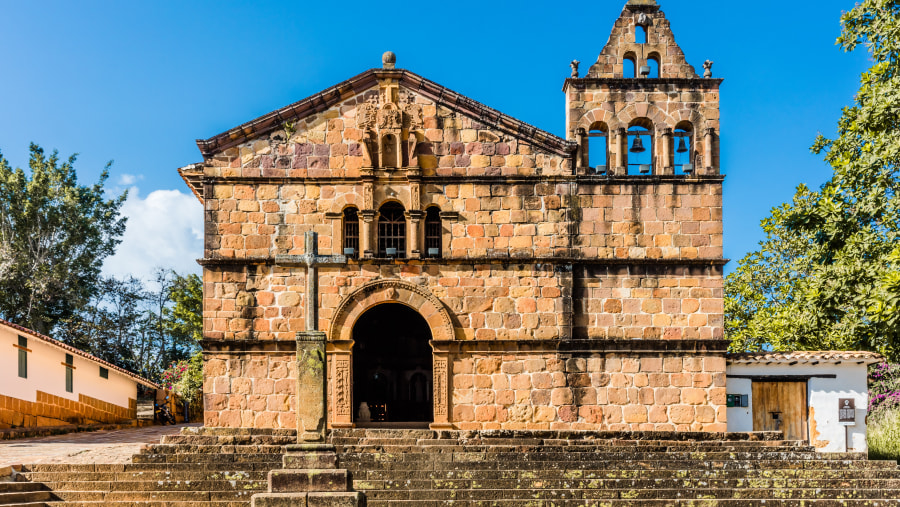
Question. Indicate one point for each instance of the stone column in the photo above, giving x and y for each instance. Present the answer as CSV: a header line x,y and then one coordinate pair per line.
x,y
668,163
310,386
621,139
367,234
310,475
413,248
582,157
708,151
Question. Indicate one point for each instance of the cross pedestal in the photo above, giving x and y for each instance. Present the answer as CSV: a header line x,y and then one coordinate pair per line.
x,y
310,477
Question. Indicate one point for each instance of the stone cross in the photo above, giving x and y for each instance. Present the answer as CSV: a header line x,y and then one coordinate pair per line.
x,y
311,362
312,260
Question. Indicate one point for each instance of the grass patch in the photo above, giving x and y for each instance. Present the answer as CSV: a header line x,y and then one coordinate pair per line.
x,y
884,435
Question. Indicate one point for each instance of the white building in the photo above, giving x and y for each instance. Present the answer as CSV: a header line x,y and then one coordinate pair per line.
x,y
820,397
44,382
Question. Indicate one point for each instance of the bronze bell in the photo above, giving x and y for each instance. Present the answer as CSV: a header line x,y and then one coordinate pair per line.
x,y
637,146
682,146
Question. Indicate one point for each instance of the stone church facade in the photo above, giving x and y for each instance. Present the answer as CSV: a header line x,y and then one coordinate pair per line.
x,y
481,273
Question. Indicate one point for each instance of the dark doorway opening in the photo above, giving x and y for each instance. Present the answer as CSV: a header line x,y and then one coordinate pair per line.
x,y
392,366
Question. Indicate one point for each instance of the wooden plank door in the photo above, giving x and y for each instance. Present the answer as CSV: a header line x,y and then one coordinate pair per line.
x,y
780,406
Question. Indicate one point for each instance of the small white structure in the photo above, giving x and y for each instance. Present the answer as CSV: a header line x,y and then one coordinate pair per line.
x,y
44,382
820,397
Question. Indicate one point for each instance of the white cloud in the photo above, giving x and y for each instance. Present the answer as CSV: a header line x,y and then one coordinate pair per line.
x,y
165,230
129,179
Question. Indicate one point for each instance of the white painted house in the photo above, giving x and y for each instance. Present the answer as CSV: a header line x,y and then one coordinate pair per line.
x,y
44,382
820,397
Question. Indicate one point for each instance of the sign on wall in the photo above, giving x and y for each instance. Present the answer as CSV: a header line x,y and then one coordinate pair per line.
x,y
737,400
847,411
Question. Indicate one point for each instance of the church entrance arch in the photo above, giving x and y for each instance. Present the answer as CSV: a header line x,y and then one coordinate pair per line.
x,y
392,366
352,323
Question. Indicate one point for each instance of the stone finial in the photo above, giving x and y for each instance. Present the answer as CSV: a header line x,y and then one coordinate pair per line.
x,y
574,66
707,68
388,60
641,2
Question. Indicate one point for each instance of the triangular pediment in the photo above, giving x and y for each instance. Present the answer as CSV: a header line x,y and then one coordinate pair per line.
x,y
369,82
642,16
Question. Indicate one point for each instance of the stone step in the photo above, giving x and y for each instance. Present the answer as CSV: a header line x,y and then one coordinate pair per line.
x,y
405,464
17,487
632,503
200,497
569,455
212,449
748,476
156,475
660,447
227,440
19,497
148,503
153,467
613,485
637,436
747,495
207,458
178,484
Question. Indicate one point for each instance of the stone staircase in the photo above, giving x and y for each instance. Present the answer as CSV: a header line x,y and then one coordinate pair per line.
x,y
419,468
507,468
221,468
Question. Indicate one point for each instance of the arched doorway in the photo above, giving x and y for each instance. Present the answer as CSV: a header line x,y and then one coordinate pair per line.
x,y
392,366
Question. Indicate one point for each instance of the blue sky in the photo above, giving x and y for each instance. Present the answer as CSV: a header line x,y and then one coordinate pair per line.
x,y
138,82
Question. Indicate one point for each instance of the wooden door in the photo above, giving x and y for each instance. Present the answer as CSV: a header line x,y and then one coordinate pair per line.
x,y
780,406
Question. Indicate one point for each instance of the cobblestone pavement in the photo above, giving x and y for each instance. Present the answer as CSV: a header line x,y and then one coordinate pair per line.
x,y
94,447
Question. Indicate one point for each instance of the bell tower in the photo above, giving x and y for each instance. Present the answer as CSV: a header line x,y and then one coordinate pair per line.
x,y
642,110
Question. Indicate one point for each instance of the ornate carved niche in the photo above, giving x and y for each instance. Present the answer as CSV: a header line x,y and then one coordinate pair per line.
x,y
390,121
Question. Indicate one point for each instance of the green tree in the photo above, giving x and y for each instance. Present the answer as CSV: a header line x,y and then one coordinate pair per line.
x,y
827,276
54,236
185,317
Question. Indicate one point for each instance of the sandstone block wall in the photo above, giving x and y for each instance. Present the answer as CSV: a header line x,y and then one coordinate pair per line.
x,y
594,391
250,390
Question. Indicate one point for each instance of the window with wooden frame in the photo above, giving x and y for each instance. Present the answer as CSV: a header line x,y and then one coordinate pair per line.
x,y
351,233
23,357
104,372
392,231
434,232
70,367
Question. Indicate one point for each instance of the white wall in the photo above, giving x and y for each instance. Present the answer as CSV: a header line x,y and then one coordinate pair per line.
x,y
823,395
46,373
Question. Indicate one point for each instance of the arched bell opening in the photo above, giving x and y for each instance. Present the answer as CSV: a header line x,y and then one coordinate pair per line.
x,y
392,367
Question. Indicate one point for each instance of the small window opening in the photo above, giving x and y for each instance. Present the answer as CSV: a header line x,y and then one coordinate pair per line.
x,y
598,150
684,149
351,233
629,70
640,34
392,231
23,357
104,373
640,150
653,63
433,232
69,373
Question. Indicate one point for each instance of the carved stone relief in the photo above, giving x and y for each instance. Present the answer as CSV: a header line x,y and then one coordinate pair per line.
x,y
342,387
441,407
